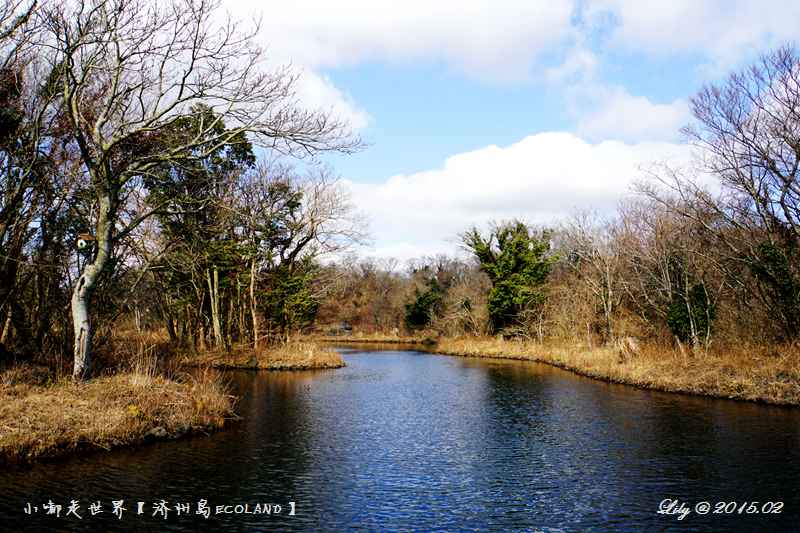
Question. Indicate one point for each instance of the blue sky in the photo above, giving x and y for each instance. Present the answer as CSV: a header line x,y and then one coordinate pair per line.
x,y
479,110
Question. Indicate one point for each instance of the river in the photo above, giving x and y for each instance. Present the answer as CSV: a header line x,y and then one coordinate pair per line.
x,y
403,440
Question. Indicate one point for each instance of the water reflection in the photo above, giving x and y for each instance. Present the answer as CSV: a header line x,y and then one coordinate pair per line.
x,y
407,441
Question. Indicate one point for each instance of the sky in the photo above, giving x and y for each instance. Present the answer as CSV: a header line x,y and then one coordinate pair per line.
x,y
479,110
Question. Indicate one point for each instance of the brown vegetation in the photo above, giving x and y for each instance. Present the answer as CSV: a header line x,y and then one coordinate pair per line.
x,y
146,388
427,336
42,416
757,374
186,224
690,286
291,356
372,296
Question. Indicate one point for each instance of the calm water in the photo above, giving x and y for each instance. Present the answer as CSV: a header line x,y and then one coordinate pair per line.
x,y
408,441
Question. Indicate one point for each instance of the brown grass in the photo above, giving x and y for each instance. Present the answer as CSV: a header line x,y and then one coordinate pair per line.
x,y
761,375
145,388
292,356
40,417
421,337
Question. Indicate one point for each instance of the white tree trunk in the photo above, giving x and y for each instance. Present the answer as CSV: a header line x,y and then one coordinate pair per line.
x,y
213,288
6,327
83,332
81,300
82,295
253,306
608,306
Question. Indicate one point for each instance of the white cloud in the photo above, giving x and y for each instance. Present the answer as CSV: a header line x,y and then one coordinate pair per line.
x,y
318,92
540,178
634,118
485,40
501,42
725,31
580,64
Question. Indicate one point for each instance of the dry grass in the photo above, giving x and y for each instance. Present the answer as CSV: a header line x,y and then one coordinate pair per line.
x,y
44,418
292,356
753,375
421,337
142,391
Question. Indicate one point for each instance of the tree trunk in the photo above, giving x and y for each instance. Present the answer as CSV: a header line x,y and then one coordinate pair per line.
x,y
82,295
242,330
213,289
229,325
253,307
138,316
6,327
83,332
170,323
608,308
693,333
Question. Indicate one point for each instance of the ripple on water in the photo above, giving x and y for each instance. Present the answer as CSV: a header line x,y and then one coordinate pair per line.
x,y
406,441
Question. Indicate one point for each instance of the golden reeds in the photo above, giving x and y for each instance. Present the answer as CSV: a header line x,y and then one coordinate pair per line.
x,y
420,337
61,416
753,375
295,355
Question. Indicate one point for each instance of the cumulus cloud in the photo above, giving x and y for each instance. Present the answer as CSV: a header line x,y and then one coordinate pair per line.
x,y
561,44
540,178
509,41
482,39
634,118
725,31
318,92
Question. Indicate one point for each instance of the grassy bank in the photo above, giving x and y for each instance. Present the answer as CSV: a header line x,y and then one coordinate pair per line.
x,y
42,417
292,356
425,337
755,375
146,389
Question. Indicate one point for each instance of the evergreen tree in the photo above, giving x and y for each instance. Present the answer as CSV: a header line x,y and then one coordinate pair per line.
x,y
418,312
515,259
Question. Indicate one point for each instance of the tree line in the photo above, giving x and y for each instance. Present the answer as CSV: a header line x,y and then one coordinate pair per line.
x,y
154,173
699,255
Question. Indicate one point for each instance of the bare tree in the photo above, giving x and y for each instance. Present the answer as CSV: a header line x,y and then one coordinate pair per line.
x,y
589,248
747,130
669,262
128,69
464,305
31,181
292,218
328,220
746,136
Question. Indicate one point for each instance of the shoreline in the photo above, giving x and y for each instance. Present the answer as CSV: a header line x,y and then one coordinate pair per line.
x,y
303,355
64,418
47,418
767,380
374,338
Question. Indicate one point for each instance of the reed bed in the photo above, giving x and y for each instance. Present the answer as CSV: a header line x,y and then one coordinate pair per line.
x,y
42,417
145,388
757,374
296,355
423,337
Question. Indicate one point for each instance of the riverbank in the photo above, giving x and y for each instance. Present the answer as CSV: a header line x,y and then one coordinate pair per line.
x,y
756,375
42,417
154,391
425,337
292,356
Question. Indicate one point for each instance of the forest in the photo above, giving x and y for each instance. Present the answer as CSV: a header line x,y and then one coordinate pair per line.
x,y
147,151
